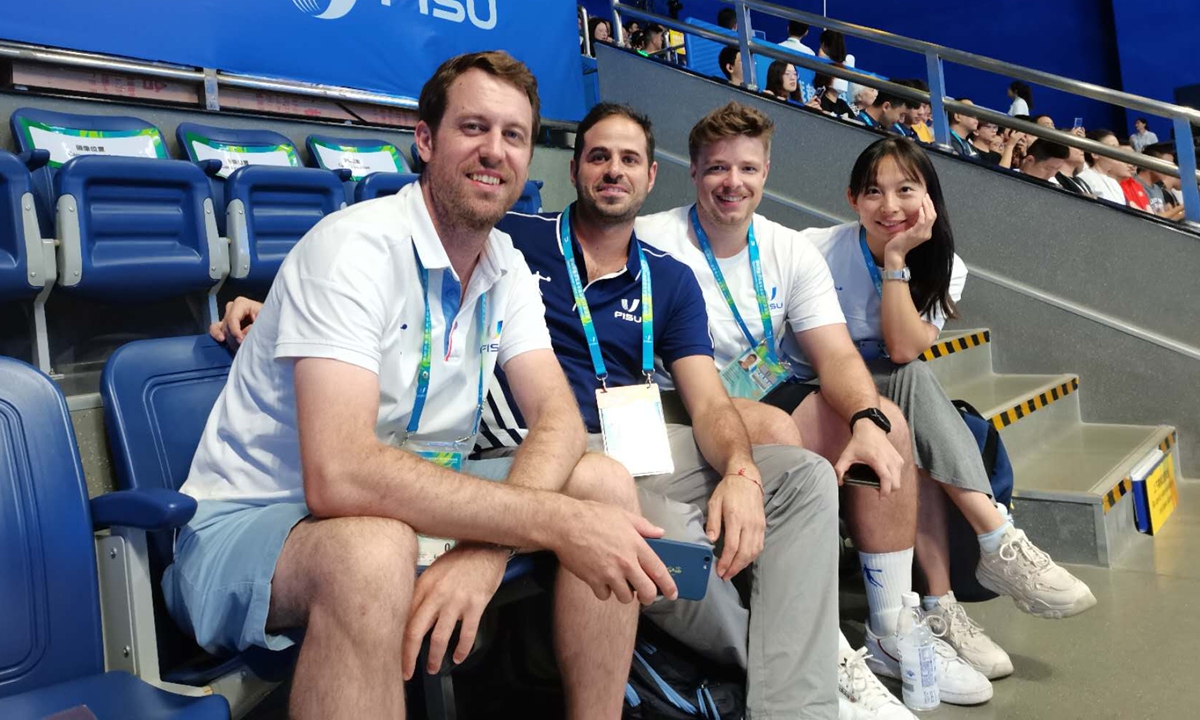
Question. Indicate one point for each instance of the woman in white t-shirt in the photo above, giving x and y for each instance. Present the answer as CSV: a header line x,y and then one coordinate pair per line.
x,y
1103,175
898,279
1022,98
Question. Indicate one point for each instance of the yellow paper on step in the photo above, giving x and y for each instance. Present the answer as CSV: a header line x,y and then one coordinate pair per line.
x,y
1162,496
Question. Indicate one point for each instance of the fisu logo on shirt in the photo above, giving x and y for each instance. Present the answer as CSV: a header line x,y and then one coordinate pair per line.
x,y
775,305
628,308
494,345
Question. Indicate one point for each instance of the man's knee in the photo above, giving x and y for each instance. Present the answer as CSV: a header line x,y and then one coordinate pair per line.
x,y
363,565
900,437
601,479
767,424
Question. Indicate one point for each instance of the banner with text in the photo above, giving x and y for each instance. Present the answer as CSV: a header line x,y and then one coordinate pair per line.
x,y
386,46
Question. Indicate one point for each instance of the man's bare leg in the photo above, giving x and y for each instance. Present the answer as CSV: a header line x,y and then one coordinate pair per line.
x,y
932,550
594,639
349,582
767,424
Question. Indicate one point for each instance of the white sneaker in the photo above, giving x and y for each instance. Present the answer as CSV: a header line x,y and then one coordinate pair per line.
x,y
860,694
1036,584
958,682
949,621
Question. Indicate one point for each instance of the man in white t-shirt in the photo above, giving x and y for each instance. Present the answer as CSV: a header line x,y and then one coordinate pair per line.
x,y
795,40
342,430
846,421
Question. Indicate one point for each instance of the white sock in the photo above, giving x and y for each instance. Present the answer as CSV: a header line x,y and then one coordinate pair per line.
x,y
929,602
887,576
990,542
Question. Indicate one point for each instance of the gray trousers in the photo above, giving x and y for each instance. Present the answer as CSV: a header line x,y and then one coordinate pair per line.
x,y
787,639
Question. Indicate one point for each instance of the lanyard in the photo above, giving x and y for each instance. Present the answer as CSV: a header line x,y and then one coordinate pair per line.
x,y
414,419
867,119
872,268
585,313
760,289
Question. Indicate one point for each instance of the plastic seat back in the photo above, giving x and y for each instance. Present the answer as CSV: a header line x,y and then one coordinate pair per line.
x,y
19,236
382,184
362,157
530,201
68,135
50,629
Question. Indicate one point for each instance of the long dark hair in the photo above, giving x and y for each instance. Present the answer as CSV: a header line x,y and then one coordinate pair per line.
x,y
775,81
834,44
931,262
1022,91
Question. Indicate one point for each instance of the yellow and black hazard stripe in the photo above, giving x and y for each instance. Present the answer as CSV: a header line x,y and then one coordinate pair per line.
x,y
1112,497
966,342
1008,417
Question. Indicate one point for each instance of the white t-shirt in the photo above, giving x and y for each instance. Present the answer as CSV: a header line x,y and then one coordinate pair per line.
x,y
797,45
843,86
856,291
1018,107
1103,186
797,282
350,290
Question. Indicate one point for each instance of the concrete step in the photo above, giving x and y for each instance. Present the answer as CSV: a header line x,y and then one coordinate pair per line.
x,y
960,354
1024,408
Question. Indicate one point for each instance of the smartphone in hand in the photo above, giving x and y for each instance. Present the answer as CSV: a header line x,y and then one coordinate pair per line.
x,y
862,475
688,563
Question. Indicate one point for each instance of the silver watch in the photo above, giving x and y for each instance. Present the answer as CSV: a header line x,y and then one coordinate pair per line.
x,y
903,275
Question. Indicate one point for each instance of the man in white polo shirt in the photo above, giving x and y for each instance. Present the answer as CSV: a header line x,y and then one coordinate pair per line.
x,y
346,419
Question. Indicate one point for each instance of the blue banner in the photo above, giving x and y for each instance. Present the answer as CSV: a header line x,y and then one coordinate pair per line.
x,y
387,46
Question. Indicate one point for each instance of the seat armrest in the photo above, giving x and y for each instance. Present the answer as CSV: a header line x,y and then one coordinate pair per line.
x,y
211,167
146,509
343,174
35,159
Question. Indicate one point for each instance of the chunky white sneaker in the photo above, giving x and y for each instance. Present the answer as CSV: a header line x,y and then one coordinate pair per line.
x,y
949,621
1020,570
860,694
958,682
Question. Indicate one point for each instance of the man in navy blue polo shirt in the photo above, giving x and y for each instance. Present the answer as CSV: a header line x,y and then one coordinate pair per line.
x,y
774,506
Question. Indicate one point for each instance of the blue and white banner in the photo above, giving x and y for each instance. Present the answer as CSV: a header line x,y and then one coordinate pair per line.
x,y
387,46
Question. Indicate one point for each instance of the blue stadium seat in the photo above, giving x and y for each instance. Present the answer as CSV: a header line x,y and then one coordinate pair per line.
x,y
379,185
703,54
531,198
157,398
27,264
268,210
67,135
51,643
361,156
133,229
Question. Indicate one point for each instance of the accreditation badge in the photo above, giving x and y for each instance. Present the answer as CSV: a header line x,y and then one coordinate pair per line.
x,y
634,430
450,456
753,375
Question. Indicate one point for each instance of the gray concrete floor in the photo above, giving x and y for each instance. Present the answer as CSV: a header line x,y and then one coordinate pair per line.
x,y
1130,657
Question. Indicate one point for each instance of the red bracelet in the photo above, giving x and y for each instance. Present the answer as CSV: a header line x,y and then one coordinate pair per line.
x,y
742,473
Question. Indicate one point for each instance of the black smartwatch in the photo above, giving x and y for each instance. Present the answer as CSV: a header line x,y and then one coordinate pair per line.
x,y
875,415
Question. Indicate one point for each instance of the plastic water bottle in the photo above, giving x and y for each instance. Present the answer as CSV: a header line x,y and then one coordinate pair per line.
x,y
918,667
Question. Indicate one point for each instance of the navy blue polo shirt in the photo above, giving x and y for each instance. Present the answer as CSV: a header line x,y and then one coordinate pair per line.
x,y
680,321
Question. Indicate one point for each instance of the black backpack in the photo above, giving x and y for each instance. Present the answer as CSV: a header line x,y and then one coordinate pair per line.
x,y
668,681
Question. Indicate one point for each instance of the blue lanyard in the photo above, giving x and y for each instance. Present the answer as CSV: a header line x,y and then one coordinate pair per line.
x,y
760,289
585,313
414,419
872,268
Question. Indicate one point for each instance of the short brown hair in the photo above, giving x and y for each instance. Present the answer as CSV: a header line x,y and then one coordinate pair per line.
x,y
732,120
431,106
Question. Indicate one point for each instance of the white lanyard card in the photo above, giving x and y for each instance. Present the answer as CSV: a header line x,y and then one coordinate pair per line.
x,y
634,430
751,376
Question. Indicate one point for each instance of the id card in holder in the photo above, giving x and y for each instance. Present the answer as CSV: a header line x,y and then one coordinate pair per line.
x,y
450,456
751,376
635,432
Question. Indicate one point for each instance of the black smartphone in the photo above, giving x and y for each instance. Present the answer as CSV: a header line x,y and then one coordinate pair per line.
x,y
861,474
688,563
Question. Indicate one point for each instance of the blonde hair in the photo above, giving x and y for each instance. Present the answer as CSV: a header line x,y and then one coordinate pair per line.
x,y
732,120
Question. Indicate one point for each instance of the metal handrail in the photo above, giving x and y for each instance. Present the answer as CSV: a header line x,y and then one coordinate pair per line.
x,y
98,62
941,105
329,92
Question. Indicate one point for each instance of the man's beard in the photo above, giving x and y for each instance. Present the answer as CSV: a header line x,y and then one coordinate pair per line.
x,y
454,207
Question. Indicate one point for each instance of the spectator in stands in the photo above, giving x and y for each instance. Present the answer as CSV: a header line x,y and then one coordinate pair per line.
x,y
898,280
795,40
655,39
320,461
1103,175
885,112
772,509
632,26
599,30
1045,160
1076,163
984,139
1169,185
1015,145
729,150
918,119
1135,195
903,126
1045,121
1142,137
831,101
1022,98
864,97
833,46
781,82
730,61
1155,189
727,18
962,126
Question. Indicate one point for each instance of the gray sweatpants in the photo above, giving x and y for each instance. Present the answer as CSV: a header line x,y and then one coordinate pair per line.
x,y
787,639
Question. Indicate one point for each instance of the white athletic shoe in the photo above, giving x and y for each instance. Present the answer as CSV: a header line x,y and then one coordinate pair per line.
x,y
949,621
958,682
860,694
1020,570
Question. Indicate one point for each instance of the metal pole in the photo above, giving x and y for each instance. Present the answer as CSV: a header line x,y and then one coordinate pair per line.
x,y
749,76
587,36
618,31
937,100
1185,159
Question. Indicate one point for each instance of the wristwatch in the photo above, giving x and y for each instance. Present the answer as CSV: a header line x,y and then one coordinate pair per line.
x,y
875,415
903,275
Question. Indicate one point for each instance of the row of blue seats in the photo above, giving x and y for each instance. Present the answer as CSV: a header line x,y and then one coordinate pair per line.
x,y
157,396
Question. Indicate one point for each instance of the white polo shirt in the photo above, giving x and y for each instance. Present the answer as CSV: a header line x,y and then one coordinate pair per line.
x,y
350,291
1103,186
797,282
856,290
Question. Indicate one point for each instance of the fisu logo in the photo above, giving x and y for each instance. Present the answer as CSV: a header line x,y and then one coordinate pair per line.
x,y
629,307
494,345
775,305
456,11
